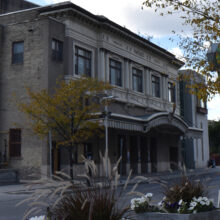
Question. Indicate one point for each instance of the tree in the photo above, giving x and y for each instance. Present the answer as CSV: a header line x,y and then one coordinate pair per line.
x,y
203,17
69,114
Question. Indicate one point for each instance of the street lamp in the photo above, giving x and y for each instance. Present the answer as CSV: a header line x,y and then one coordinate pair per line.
x,y
107,114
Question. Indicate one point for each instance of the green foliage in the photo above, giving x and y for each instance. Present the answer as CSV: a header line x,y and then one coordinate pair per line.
x,y
200,204
214,136
143,204
203,18
69,113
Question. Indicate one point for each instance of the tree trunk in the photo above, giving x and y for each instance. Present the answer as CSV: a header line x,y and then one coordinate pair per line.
x,y
71,162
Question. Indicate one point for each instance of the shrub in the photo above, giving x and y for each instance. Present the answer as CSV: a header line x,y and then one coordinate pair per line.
x,y
185,191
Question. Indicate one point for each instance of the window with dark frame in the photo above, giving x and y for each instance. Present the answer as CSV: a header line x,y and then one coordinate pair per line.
x,y
156,86
171,92
115,72
18,52
15,142
88,151
137,80
57,50
83,62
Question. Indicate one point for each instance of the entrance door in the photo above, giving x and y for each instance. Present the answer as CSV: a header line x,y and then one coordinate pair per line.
x,y
153,154
174,158
122,152
144,155
134,154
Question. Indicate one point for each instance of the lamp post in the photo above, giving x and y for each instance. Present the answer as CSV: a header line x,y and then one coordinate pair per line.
x,y
107,114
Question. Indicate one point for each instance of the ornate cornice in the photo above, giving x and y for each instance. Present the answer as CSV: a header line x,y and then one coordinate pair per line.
x,y
73,11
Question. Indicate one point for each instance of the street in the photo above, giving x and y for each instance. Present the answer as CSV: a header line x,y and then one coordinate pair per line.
x,y
11,195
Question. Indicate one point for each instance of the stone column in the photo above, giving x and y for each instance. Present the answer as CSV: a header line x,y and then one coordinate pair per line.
x,y
101,73
139,153
130,75
148,81
148,155
165,88
180,159
106,66
128,154
126,74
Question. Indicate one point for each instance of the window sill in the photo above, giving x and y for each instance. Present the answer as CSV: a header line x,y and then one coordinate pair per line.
x,y
17,64
116,86
16,158
159,98
202,110
137,92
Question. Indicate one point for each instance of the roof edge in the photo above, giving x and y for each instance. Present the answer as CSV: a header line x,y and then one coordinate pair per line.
x,y
103,20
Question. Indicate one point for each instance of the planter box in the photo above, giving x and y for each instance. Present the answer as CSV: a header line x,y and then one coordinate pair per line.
x,y
212,215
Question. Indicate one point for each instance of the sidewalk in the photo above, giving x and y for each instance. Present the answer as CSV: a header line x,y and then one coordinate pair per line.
x,y
200,173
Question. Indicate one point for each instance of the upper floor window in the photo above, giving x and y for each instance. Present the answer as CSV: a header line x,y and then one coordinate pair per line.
x,y
137,80
57,50
201,103
82,62
15,142
156,86
201,106
171,92
115,72
18,52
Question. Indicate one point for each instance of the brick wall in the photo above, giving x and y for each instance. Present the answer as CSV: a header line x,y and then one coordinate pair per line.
x,y
14,79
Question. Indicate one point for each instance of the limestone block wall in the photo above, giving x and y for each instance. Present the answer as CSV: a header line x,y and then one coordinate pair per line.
x,y
104,45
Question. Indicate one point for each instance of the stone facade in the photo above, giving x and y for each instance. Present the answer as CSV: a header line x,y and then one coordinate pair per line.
x,y
145,130
195,151
14,5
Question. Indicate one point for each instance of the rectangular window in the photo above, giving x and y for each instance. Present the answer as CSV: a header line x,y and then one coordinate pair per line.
x,y
57,50
82,62
18,52
171,92
137,80
156,86
15,142
88,151
115,72
201,103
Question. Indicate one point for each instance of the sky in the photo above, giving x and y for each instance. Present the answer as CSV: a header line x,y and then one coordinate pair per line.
x,y
145,22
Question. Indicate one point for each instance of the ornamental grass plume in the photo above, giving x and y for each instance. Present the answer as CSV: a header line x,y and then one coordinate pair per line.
x,y
61,198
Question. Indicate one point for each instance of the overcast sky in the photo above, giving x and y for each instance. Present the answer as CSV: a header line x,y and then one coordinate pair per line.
x,y
128,13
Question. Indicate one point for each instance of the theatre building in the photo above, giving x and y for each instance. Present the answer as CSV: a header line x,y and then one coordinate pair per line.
x,y
146,126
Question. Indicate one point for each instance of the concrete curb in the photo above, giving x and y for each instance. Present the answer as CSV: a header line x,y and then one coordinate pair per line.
x,y
207,173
